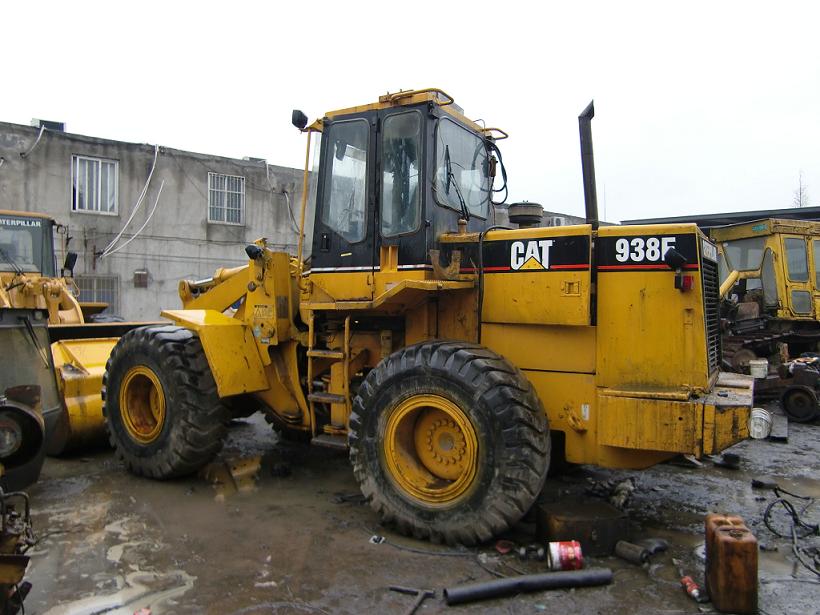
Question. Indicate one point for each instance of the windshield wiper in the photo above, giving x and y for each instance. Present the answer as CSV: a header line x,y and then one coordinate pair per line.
x,y
448,169
34,341
17,269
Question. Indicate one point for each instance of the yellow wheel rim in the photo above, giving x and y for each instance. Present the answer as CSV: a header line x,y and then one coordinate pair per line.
x,y
142,404
431,449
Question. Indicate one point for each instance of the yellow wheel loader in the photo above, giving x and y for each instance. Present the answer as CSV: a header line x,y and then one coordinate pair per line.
x,y
29,280
446,353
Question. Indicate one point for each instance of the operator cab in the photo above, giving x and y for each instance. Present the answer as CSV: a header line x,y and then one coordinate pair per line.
x,y
397,174
26,244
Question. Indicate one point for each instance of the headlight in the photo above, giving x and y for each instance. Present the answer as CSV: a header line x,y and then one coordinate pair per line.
x,y
11,435
760,424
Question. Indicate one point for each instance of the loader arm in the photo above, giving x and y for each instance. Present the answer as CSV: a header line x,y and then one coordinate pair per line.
x,y
249,349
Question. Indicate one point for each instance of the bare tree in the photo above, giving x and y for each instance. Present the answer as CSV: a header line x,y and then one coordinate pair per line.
x,y
801,194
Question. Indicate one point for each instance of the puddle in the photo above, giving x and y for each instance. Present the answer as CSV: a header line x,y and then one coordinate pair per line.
x,y
114,554
231,476
139,590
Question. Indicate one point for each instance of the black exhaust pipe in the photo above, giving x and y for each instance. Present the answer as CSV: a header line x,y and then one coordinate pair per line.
x,y
588,164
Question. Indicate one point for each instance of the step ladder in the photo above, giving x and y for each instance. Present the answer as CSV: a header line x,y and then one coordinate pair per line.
x,y
341,364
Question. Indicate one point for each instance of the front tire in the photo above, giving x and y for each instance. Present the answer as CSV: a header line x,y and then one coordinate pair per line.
x,y
449,442
163,413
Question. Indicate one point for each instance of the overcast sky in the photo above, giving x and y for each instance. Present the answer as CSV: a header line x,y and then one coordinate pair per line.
x,y
700,107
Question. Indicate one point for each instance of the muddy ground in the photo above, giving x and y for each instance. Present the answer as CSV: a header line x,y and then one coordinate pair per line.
x,y
112,543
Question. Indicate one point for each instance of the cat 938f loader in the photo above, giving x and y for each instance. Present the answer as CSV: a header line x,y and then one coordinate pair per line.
x,y
441,350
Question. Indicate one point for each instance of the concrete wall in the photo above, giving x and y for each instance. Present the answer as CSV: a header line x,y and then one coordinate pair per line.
x,y
178,242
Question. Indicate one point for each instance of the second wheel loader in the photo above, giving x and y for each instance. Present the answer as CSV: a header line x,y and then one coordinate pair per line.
x,y
441,350
76,347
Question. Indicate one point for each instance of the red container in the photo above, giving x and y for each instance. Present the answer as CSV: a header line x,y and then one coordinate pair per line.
x,y
565,555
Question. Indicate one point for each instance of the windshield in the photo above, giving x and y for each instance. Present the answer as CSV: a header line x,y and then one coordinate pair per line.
x,y
745,254
24,246
461,169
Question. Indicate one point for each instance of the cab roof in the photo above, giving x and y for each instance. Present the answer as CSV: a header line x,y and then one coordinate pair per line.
x,y
406,98
764,226
25,214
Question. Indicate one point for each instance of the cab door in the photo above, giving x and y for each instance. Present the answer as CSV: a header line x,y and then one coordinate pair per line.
x,y
798,284
343,240
400,226
814,276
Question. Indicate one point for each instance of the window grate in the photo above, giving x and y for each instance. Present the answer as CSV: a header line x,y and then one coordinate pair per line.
x,y
711,306
226,198
99,289
94,185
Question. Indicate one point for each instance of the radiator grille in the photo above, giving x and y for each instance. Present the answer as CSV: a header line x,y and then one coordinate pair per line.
x,y
711,305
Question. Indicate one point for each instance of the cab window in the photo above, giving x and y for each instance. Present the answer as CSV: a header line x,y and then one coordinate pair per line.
x,y
796,260
24,246
462,164
815,246
401,144
768,279
344,195
745,254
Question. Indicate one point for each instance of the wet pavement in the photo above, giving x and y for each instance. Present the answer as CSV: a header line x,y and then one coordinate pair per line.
x,y
299,540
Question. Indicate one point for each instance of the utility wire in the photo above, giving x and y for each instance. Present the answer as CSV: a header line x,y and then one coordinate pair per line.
x,y
140,198
144,224
799,529
31,149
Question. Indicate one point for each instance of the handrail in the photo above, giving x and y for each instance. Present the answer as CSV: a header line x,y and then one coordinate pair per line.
x,y
503,133
389,98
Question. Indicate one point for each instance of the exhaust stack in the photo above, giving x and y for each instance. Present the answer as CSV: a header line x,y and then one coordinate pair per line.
x,y
588,165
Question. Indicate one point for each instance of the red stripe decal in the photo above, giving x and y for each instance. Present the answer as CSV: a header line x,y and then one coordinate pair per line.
x,y
641,267
583,266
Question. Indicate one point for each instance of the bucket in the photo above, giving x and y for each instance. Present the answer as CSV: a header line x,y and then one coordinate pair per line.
x,y
760,424
759,368
565,555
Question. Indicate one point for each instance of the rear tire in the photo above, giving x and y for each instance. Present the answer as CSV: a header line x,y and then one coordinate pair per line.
x,y
449,442
800,403
163,413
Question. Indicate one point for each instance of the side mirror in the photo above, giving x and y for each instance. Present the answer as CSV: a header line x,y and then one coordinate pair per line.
x,y
298,119
253,251
70,262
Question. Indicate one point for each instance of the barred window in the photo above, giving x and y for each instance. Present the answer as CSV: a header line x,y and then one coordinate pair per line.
x,y
94,185
99,289
226,198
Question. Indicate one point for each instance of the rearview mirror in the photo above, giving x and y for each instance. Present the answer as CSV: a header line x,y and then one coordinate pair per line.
x,y
70,262
298,119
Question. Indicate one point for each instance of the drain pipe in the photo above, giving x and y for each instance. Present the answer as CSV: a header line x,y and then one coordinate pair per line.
x,y
510,586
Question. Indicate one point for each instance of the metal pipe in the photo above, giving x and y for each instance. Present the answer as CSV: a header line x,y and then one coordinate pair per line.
x,y
304,207
588,165
729,282
510,586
